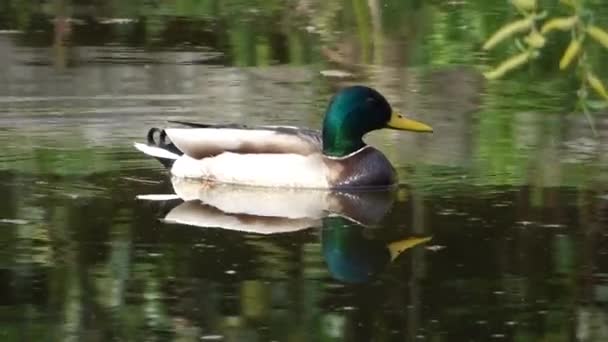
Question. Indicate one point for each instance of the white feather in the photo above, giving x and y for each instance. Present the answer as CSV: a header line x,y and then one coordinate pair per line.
x,y
155,151
273,170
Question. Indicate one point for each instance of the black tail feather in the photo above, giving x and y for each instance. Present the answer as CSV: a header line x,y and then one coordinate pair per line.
x,y
158,137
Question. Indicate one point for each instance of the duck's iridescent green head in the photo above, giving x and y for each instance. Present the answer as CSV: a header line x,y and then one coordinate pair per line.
x,y
355,111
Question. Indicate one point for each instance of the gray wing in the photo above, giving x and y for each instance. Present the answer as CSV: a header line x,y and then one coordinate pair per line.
x,y
202,140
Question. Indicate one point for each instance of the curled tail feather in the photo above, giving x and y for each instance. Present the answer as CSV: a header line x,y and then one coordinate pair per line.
x,y
159,147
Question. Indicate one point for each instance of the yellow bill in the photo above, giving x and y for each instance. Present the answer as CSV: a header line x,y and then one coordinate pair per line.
x,y
398,247
398,121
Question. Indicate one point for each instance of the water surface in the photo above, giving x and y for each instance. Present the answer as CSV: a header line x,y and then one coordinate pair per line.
x,y
511,187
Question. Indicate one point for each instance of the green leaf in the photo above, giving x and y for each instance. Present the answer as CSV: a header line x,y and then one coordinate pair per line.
x,y
597,105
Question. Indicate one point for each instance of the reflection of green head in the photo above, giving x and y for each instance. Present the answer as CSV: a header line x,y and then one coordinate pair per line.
x,y
353,258
350,256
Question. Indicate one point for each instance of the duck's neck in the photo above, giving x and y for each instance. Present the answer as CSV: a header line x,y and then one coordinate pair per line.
x,y
340,137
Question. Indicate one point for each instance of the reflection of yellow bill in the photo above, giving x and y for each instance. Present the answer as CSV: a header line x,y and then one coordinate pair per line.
x,y
398,247
398,121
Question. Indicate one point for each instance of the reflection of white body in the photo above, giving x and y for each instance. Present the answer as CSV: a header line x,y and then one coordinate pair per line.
x,y
267,210
196,214
288,203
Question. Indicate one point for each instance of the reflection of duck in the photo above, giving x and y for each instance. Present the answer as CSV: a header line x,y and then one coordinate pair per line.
x,y
336,158
343,217
267,211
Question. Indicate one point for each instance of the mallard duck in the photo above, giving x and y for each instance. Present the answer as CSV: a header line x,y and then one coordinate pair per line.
x,y
283,156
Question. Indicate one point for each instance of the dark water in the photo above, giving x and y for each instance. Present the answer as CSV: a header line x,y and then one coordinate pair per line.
x,y
511,188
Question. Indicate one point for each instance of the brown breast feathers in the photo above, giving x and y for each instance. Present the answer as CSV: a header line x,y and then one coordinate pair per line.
x,y
368,168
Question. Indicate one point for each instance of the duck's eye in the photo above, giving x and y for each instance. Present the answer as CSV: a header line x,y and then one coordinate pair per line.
x,y
370,100
400,116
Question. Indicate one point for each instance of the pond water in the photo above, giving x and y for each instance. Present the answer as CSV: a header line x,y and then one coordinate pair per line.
x,y
497,230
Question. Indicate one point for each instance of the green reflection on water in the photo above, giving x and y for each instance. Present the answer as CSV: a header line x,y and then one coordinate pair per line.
x,y
105,265
509,186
